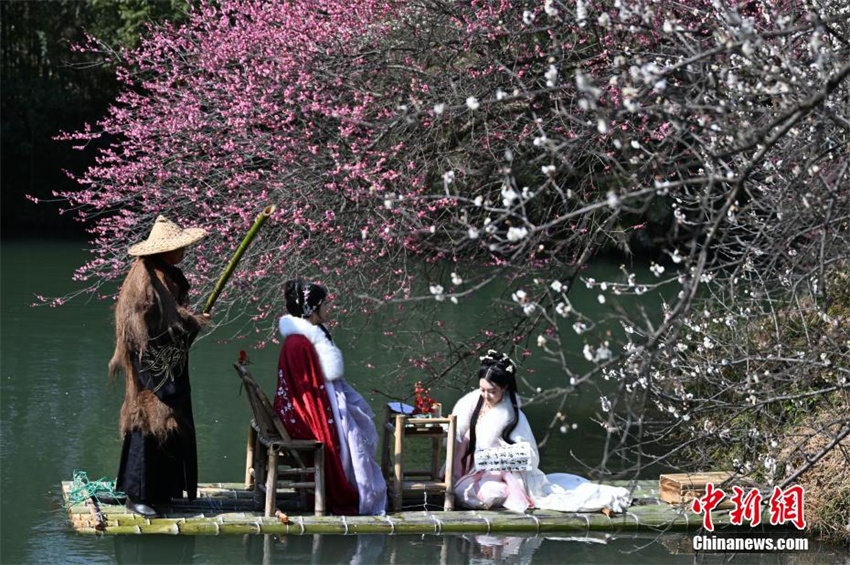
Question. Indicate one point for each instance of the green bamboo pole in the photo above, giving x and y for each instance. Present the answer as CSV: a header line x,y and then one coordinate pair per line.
x,y
231,266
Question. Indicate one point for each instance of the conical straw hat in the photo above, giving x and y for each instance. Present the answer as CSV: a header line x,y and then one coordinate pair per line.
x,y
166,236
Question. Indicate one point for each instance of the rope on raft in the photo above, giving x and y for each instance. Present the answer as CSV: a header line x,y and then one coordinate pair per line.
x,y
82,489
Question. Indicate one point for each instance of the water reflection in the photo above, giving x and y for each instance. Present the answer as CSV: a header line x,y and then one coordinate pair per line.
x,y
504,549
397,550
164,549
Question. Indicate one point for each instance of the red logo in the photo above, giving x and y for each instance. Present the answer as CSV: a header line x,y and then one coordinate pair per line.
x,y
748,507
785,506
705,504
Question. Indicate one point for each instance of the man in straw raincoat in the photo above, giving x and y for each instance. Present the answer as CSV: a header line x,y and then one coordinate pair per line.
x,y
154,331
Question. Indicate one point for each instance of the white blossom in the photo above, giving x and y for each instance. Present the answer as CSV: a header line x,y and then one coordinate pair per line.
x,y
472,103
439,108
603,353
563,309
456,280
557,286
516,233
770,464
437,291
527,18
676,257
541,341
508,196
606,404
449,177
472,233
656,269
551,76
581,13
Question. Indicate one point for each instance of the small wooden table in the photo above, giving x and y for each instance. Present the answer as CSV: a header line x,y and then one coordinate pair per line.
x,y
429,481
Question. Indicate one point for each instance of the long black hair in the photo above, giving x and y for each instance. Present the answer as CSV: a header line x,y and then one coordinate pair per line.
x,y
498,369
303,298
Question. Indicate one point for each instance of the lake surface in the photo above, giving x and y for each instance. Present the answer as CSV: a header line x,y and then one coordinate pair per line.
x,y
60,413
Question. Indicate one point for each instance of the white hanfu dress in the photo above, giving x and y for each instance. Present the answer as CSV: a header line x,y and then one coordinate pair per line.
x,y
520,490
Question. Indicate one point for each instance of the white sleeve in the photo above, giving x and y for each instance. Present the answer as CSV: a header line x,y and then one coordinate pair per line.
x,y
330,358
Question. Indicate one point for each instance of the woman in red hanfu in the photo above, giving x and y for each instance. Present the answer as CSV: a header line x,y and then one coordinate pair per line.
x,y
314,401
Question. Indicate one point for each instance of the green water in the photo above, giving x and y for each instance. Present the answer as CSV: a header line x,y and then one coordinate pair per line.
x,y
59,413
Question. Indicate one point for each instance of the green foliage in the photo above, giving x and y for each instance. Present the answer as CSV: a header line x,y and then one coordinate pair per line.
x,y
123,22
47,88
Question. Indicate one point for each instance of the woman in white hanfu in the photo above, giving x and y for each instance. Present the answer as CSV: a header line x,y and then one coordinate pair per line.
x,y
490,417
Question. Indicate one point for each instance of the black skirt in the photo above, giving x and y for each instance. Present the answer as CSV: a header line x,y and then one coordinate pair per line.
x,y
151,471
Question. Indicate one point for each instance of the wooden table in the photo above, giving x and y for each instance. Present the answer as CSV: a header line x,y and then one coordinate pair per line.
x,y
403,428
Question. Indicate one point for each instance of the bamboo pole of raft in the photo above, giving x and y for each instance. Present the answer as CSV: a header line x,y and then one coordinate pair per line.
x,y
231,266
94,508
209,517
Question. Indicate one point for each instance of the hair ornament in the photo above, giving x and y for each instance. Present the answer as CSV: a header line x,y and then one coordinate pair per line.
x,y
492,355
306,308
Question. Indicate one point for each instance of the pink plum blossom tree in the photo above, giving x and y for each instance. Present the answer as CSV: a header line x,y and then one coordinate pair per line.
x,y
420,151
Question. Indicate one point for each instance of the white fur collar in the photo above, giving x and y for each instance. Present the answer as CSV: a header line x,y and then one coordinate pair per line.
x,y
330,357
489,428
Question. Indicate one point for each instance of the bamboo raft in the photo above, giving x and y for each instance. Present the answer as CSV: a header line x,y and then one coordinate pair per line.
x,y
230,508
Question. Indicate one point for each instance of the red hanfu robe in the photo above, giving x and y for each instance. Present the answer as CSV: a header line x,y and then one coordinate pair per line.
x,y
305,410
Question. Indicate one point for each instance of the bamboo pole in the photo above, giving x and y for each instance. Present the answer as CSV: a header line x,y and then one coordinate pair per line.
x,y
231,266
249,458
94,508
385,445
644,518
397,467
319,478
449,502
271,482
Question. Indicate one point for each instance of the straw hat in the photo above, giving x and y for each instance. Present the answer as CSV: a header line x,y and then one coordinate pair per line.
x,y
166,236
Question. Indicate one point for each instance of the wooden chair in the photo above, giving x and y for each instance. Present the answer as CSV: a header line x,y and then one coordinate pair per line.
x,y
269,447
